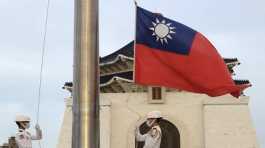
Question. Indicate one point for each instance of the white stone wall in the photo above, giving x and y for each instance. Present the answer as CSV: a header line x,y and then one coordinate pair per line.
x,y
228,125
203,122
65,137
127,110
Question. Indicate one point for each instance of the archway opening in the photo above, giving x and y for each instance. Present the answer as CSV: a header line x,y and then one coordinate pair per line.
x,y
170,135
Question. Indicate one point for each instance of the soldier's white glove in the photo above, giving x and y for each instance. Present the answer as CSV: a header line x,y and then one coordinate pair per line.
x,y
37,127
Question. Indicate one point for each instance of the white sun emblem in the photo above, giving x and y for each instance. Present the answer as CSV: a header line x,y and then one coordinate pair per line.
x,y
162,31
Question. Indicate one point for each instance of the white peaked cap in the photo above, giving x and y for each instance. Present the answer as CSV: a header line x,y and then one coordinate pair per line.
x,y
154,114
21,118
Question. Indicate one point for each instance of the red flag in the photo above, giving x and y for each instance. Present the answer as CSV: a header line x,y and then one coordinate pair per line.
x,y
173,55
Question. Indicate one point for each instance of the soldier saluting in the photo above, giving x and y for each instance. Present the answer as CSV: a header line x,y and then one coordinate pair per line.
x,y
23,137
153,137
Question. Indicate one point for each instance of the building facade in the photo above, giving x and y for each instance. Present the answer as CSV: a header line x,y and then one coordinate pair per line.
x,y
189,120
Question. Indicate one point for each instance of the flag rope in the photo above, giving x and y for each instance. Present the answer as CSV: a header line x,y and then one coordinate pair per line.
x,y
43,47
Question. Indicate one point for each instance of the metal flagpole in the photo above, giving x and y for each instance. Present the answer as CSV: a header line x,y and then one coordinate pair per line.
x,y
85,132
134,43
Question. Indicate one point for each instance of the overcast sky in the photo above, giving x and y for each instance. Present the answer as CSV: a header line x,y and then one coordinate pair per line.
x,y
235,27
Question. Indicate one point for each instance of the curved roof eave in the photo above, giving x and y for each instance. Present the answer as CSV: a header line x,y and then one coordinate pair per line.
x,y
115,79
117,58
128,52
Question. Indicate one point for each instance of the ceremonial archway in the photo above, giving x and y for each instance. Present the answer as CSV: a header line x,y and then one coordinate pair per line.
x,y
170,135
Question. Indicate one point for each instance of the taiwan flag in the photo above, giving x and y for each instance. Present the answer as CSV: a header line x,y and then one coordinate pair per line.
x,y
170,54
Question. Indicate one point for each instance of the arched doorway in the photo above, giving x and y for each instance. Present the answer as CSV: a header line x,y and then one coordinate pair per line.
x,y
170,135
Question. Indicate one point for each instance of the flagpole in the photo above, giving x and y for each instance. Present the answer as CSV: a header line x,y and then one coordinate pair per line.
x,y
135,2
134,46
85,133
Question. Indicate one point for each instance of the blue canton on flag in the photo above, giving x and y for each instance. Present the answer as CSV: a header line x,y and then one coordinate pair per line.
x,y
164,34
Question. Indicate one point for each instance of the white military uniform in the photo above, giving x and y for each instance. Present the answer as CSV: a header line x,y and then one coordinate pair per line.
x,y
23,138
152,138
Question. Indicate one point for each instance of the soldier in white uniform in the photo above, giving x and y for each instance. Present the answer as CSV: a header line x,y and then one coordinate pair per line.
x,y
153,137
23,137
